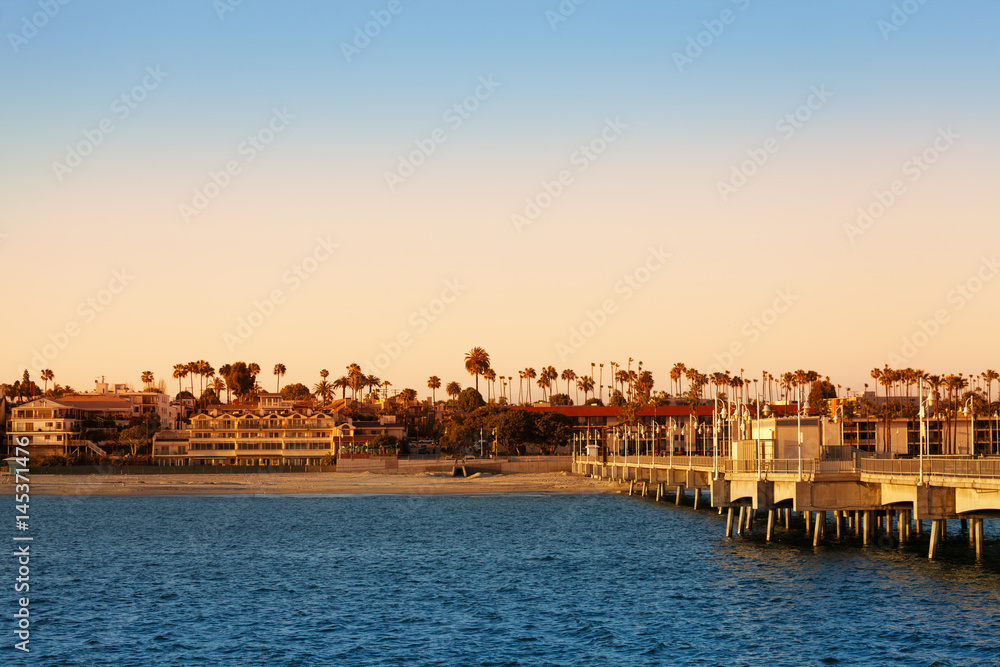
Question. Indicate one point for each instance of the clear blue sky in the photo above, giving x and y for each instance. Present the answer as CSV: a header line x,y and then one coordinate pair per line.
x,y
311,134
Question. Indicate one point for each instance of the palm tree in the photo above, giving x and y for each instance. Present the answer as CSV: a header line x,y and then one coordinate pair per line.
x,y
147,377
254,369
279,370
192,369
342,383
529,375
477,361
224,371
434,383
550,374
371,381
990,375
602,376
46,376
586,384
206,370
218,385
323,390
569,375
354,373
676,373
453,389
181,372
490,376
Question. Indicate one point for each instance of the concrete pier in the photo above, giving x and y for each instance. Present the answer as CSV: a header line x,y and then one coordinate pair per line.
x,y
868,497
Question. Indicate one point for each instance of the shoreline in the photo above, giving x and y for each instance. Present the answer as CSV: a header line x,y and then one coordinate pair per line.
x,y
363,483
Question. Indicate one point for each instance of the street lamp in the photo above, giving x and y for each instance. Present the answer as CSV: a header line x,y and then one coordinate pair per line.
x,y
840,409
924,440
715,435
798,416
970,411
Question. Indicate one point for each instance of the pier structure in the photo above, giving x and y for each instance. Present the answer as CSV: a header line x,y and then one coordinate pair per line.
x,y
872,498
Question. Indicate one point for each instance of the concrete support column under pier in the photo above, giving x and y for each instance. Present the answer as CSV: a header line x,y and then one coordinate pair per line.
x,y
770,524
935,536
729,522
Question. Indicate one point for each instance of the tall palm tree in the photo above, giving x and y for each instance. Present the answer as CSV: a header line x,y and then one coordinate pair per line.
x,y
279,370
676,373
225,370
453,389
529,375
323,390
218,385
371,381
342,383
47,375
569,375
585,384
989,375
192,369
254,369
147,377
354,374
181,372
434,383
601,381
207,371
477,360
490,376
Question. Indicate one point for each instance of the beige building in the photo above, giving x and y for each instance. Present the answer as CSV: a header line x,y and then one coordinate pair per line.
x,y
272,433
68,425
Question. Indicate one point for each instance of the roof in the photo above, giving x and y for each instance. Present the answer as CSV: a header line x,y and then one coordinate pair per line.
x,y
644,411
95,402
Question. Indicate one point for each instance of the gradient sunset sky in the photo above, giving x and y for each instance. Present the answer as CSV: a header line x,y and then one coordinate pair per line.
x,y
732,145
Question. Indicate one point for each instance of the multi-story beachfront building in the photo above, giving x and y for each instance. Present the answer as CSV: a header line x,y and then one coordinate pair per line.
x,y
270,433
70,425
144,402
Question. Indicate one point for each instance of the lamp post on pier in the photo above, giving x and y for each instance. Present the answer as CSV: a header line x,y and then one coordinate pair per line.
x,y
798,416
970,411
924,440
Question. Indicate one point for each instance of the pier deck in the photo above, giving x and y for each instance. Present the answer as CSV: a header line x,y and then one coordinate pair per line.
x,y
865,495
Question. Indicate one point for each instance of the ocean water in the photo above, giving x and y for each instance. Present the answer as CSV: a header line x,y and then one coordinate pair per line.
x,y
482,580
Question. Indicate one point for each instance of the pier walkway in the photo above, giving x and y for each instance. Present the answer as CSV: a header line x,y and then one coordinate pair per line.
x,y
868,496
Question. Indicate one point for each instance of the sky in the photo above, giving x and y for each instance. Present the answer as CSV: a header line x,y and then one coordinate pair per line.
x,y
732,184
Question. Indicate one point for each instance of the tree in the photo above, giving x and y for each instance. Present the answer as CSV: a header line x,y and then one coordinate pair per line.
x,y
147,377
434,383
133,438
342,383
552,430
453,389
355,376
560,399
617,399
296,392
181,372
529,375
477,362
218,386
569,375
513,427
323,390
384,442
408,395
46,376
469,399
490,376
585,384
279,370
241,381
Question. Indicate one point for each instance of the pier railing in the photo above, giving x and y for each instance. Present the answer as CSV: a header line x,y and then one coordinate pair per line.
x,y
944,467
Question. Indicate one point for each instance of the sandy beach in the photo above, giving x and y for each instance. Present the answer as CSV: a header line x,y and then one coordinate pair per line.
x,y
321,483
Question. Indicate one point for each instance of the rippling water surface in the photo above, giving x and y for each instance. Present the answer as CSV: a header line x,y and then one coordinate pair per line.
x,y
484,580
